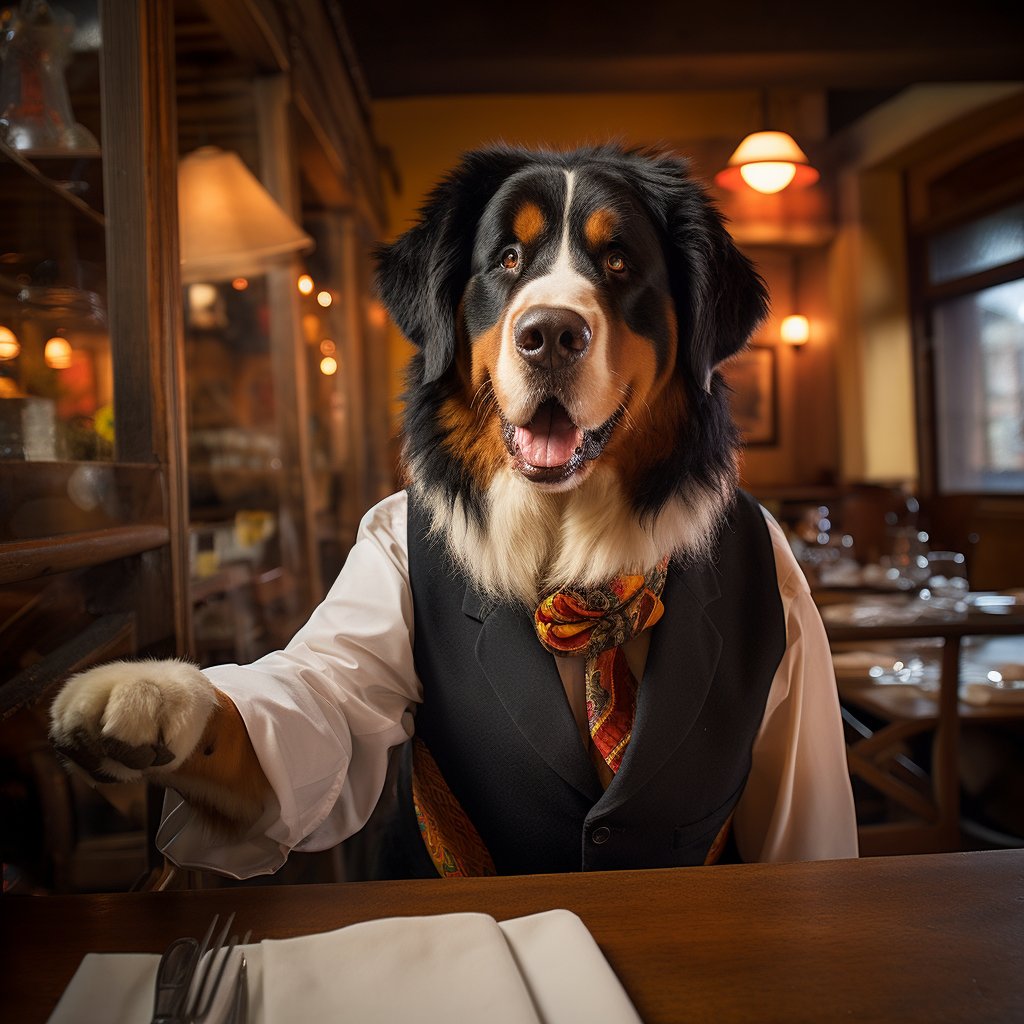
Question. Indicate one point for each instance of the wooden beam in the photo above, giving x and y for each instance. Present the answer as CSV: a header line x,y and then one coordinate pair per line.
x,y
140,175
287,351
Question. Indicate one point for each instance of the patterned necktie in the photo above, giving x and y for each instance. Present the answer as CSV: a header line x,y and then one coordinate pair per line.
x,y
594,624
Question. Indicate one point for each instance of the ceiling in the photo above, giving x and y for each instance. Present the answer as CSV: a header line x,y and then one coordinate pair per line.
x,y
858,53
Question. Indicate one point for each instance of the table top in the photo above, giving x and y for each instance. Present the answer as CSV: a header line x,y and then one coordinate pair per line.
x,y
929,938
972,623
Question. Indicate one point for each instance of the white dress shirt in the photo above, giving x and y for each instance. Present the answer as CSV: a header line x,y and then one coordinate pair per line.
x,y
324,713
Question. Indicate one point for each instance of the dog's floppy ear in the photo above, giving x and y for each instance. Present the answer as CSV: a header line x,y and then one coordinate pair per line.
x,y
728,297
422,275
720,298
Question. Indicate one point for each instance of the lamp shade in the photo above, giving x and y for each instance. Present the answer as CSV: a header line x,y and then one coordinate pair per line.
x,y
230,225
767,162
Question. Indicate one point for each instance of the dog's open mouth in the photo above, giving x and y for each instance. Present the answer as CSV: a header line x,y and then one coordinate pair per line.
x,y
551,447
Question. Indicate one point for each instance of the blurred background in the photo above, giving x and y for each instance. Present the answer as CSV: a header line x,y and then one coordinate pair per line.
x,y
200,395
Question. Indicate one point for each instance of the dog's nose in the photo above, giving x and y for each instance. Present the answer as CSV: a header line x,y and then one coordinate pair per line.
x,y
551,336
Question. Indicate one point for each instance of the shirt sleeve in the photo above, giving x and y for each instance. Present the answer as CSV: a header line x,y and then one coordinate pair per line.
x,y
798,803
322,714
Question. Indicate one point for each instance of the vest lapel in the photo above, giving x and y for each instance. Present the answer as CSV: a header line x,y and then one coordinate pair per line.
x,y
681,663
526,681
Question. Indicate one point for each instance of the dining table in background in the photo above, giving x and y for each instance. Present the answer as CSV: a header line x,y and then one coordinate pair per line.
x,y
929,938
931,821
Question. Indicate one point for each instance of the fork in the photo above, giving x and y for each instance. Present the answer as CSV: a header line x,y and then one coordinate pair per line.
x,y
190,976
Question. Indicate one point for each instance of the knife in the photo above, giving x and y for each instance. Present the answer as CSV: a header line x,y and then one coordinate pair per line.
x,y
173,977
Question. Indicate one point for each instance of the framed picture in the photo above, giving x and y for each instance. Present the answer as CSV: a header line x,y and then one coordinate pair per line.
x,y
753,378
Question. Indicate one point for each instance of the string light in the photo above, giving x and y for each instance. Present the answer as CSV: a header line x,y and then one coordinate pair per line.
x,y
10,347
57,353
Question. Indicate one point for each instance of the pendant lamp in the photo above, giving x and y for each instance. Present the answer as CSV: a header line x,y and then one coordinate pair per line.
x,y
767,161
230,226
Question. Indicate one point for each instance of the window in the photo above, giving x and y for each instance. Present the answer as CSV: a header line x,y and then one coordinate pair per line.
x,y
978,344
973,290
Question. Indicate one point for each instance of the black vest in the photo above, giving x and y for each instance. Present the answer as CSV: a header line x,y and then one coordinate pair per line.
x,y
497,721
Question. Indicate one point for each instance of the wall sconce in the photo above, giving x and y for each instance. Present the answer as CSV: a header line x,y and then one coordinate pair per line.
x,y
230,225
767,161
795,330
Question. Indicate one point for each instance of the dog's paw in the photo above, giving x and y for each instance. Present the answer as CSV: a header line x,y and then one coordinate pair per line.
x,y
129,720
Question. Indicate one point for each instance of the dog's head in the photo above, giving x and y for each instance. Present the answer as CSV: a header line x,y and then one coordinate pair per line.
x,y
570,310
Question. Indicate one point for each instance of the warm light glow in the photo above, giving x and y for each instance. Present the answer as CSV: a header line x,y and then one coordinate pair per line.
x,y
305,284
230,225
378,315
795,329
327,347
10,348
767,162
240,284
768,178
311,328
201,296
57,353
324,298
328,366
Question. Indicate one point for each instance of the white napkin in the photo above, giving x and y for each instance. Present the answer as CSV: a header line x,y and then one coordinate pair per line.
x,y
118,988
542,969
451,967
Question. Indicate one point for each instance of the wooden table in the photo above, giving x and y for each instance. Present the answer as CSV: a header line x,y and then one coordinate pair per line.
x,y
930,938
935,822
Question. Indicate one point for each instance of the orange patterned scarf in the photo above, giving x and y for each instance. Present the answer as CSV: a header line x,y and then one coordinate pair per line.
x,y
595,624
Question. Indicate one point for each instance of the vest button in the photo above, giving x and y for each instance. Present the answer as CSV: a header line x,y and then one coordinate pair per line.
x,y
601,834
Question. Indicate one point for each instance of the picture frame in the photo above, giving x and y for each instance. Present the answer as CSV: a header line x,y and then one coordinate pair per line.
x,y
752,376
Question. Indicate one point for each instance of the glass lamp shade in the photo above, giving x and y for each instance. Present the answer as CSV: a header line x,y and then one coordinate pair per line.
x,y
35,107
767,162
230,225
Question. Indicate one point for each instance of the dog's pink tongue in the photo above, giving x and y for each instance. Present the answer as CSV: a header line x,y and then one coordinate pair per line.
x,y
550,438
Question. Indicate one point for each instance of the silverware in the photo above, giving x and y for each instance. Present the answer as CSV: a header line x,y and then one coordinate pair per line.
x,y
240,1009
190,976
177,965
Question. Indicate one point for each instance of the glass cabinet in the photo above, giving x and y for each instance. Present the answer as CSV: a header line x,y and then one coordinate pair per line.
x,y
179,472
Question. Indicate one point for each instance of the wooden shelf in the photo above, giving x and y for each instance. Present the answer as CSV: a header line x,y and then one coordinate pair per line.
x,y
26,560
54,187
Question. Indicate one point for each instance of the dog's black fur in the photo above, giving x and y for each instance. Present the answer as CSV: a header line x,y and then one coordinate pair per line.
x,y
440,285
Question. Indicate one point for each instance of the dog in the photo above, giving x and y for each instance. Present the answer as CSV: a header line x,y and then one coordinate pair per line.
x,y
571,518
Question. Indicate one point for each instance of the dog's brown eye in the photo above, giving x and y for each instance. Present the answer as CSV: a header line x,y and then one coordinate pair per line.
x,y
510,259
615,262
